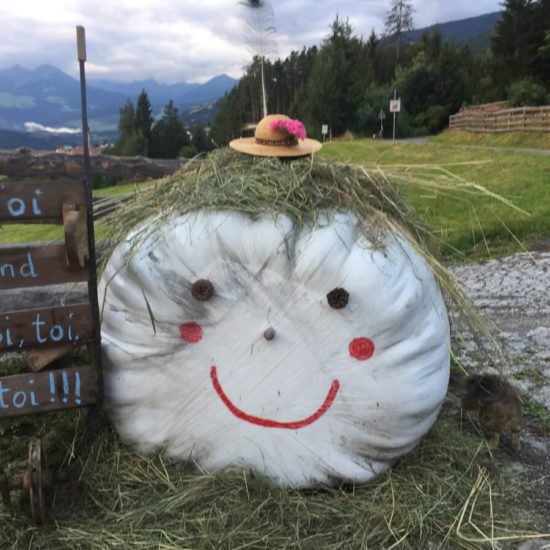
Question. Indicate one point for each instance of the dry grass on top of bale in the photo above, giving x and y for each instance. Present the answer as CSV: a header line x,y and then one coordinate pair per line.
x,y
304,189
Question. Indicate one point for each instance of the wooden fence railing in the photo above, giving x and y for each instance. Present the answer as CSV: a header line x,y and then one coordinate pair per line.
x,y
520,119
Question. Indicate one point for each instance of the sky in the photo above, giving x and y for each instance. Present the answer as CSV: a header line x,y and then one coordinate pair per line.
x,y
185,40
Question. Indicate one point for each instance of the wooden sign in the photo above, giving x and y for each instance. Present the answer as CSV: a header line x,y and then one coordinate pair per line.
x,y
32,265
35,392
46,327
38,202
46,333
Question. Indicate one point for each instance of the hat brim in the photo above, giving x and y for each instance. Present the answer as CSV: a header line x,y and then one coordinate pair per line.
x,y
250,147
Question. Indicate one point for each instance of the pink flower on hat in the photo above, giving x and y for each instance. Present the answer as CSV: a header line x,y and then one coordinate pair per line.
x,y
293,127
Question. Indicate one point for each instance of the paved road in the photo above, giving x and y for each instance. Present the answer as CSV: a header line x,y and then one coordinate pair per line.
x,y
424,140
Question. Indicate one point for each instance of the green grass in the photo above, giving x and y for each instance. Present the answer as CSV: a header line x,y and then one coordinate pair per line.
x,y
538,413
120,189
22,233
475,228
522,140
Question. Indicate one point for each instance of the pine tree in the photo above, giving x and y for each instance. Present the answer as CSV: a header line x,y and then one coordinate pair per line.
x,y
168,135
127,143
333,96
371,56
514,44
144,119
399,19
127,122
200,141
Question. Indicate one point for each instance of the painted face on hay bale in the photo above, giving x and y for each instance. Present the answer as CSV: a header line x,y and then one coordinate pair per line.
x,y
304,354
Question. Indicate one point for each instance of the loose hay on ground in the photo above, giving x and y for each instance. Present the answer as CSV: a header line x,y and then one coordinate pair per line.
x,y
442,493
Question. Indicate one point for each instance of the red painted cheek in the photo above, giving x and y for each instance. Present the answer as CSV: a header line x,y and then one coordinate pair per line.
x,y
361,348
191,332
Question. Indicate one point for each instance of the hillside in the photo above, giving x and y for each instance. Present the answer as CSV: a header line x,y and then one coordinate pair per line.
x,y
474,30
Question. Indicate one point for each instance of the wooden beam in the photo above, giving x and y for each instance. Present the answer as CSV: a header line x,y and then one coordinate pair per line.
x,y
37,265
46,327
41,202
56,165
36,392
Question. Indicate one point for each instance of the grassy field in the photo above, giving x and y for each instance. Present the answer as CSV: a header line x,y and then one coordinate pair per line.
x,y
474,227
524,140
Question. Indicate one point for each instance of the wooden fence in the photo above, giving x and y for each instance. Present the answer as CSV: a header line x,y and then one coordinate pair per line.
x,y
521,119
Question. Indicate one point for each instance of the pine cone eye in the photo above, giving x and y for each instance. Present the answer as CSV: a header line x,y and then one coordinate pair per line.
x,y
202,290
338,298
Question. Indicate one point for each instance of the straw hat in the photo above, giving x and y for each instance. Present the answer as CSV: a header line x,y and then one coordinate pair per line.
x,y
277,136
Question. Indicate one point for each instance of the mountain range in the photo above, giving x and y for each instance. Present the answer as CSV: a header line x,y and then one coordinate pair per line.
x,y
46,98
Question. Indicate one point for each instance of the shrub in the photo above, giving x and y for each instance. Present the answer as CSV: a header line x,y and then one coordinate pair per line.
x,y
188,151
434,119
526,92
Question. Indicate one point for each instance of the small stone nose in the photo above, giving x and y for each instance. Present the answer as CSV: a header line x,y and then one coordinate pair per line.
x,y
269,333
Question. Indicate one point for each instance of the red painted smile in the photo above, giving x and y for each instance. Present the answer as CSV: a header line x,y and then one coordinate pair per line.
x,y
268,423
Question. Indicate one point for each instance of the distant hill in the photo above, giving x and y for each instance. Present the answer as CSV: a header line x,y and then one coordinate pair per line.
x,y
211,90
158,93
473,30
48,97
11,139
202,114
47,141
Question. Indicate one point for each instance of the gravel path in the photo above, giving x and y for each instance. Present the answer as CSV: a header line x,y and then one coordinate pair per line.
x,y
514,292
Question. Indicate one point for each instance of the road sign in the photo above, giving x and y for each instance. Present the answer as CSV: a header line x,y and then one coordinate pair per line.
x,y
324,129
395,105
381,115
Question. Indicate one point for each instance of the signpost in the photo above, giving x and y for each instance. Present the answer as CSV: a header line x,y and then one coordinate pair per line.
x,y
381,118
395,107
46,333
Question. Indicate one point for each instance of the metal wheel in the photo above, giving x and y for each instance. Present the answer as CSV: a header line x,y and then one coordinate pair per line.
x,y
36,480
4,488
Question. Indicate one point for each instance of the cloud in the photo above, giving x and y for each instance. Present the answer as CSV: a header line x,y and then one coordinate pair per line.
x,y
184,40
35,127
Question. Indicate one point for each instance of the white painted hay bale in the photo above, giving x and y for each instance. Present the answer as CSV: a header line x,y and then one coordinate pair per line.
x,y
335,394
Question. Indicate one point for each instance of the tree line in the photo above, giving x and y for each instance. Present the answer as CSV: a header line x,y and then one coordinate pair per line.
x,y
167,137
346,81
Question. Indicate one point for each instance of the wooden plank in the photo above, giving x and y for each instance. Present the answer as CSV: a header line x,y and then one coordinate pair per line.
x,y
46,327
36,392
40,358
36,265
76,237
38,202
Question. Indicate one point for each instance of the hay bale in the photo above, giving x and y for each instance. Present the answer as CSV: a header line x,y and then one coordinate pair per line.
x,y
276,240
